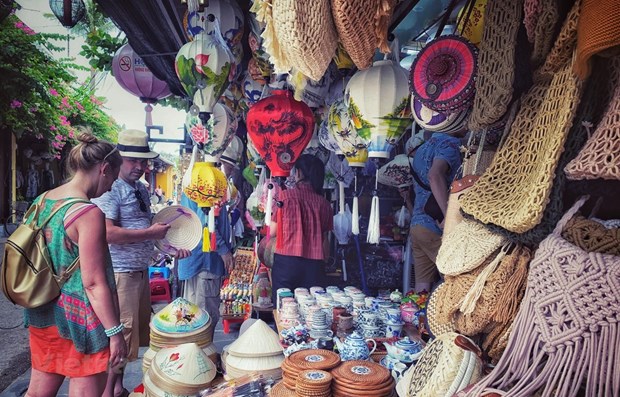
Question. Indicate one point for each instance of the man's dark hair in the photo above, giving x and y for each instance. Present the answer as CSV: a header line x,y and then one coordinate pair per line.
x,y
313,171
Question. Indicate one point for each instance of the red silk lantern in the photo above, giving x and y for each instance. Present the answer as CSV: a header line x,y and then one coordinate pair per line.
x,y
135,77
280,128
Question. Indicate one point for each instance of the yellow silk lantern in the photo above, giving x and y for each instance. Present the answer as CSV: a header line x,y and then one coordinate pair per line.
x,y
208,185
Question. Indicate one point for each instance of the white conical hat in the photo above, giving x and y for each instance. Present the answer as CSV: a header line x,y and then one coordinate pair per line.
x,y
182,370
254,363
259,340
180,316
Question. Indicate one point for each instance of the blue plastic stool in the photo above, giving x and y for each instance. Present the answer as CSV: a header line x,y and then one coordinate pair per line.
x,y
159,271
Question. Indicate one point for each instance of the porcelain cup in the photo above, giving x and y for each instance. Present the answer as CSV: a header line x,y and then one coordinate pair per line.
x,y
398,369
393,315
393,329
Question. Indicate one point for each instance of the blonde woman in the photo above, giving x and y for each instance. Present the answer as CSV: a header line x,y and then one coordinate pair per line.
x,y
79,334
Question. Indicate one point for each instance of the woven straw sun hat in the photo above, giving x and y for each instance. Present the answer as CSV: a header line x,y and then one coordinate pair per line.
x,y
432,120
185,229
182,370
259,340
135,144
180,316
443,74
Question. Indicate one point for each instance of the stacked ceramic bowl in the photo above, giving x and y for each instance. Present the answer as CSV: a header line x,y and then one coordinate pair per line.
x,y
289,315
182,370
361,378
180,322
320,328
258,350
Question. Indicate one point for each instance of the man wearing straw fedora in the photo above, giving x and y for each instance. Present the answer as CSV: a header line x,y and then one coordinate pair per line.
x,y
130,236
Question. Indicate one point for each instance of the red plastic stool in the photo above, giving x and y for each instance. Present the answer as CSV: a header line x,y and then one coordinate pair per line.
x,y
160,290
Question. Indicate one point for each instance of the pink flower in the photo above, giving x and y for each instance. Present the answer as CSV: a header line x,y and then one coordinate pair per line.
x,y
65,103
53,92
33,109
64,121
57,157
59,137
15,104
96,101
53,128
79,106
71,134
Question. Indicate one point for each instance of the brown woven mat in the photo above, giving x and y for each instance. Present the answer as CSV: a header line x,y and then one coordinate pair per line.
x,y
496,63
515,189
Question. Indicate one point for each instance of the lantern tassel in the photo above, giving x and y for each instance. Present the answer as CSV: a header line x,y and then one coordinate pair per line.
x,y
149,118
206,240
269,208
211,223
374,229
341,196
355,217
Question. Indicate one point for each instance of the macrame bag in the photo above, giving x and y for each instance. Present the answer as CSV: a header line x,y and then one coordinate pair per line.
x,y
486,297
515,189
600,157
566,332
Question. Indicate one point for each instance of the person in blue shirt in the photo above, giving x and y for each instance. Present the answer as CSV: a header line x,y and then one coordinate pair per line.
x,y
434,167
203,272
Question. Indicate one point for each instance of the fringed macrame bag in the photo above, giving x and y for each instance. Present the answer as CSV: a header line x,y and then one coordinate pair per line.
x,y
566,333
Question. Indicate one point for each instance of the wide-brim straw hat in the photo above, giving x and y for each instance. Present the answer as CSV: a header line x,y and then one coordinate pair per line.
x,y
135,143
181,370
432,120
396,173
515,190
185,229
259,340
180,316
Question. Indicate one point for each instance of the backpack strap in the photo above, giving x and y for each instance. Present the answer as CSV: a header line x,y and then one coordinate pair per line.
x,y
61,206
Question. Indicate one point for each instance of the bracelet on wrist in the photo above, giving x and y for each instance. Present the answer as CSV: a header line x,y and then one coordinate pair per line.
x,y
114,330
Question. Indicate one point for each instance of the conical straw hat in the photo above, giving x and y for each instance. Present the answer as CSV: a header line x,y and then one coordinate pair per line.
x,y
259,340
254,363
180,316
182,370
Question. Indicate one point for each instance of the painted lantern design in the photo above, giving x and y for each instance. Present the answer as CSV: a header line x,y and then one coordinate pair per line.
x,y
213,136
378,103
280,128
208,185
340,128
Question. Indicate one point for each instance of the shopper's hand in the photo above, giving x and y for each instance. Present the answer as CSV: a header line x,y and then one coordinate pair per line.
x,y
229,263
118,350
158,230
182,253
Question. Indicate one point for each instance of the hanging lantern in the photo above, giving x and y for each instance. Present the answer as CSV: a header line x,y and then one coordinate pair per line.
x,y
135,77
280,128
68,12
340,128
208,185
204,67
229,16
252,90
213,136
474,24
378,103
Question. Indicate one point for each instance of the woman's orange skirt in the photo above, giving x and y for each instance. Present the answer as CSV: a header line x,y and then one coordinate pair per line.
x,y
52,353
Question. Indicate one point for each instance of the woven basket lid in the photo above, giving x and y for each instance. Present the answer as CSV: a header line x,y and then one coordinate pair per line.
x,y
358,373
444,72
306,34
180,316
466,247
447,365
432,120
280,390
180,370
437,328
185,229
396,173
314,359
259,340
